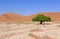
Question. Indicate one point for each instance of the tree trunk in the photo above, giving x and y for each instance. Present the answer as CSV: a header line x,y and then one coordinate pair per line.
x,y
41,22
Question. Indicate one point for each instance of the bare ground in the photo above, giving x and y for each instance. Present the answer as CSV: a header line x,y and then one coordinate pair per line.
x,y
29,31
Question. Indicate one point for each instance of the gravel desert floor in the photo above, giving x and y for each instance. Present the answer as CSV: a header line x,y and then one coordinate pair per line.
x,y
29,31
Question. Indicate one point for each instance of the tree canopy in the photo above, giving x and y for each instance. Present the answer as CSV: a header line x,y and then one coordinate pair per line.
x,y
42,18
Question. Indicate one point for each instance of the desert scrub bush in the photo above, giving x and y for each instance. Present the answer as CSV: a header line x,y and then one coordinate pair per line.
x,y
8,23
18,23
58,25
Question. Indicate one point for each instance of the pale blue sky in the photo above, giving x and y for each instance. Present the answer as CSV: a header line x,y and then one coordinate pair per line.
x,y
28,7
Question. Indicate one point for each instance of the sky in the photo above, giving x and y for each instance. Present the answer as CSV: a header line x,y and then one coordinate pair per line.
x,y
29,7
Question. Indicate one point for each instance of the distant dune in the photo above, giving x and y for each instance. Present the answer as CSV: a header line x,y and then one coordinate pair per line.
x,y
13,17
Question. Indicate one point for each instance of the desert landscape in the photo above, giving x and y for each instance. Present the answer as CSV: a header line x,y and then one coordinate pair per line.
x,y
15,26
29,19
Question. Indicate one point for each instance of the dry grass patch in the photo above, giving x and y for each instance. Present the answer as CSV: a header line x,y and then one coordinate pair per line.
x,y
36,30
34,36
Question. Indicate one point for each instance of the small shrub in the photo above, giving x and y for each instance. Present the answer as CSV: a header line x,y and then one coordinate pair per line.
x,y
58,25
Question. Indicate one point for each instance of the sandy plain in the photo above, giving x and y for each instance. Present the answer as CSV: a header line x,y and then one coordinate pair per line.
x,y
29,31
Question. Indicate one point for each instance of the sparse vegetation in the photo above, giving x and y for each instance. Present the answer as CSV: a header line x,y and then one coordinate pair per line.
x,y
58,25
8,23
41,19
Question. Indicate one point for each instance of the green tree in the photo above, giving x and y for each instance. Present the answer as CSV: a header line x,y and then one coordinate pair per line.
x,y
41,18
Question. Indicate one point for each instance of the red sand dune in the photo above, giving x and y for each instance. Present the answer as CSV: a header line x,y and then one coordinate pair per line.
x,y
13,17
55,16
